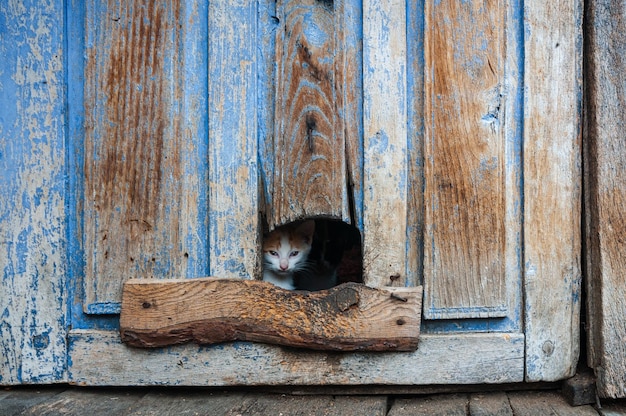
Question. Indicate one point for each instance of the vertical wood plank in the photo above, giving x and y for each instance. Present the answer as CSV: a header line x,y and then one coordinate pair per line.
x,y
349,35
309,158
33,226
233,166
552,195
465,149
143,199
385,143
605,199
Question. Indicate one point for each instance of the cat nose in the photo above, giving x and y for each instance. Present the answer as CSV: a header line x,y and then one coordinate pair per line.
x,y
283,266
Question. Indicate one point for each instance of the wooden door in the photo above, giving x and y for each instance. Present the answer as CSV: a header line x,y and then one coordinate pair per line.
x,y
447,132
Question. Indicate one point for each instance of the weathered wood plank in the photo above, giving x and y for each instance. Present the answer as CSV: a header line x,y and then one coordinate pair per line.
x,y
309,149
605,201
86,401
345,318
137,219
437,405
440,359
552,194
33,225
385,144
465,189
233,168
532,403
415,142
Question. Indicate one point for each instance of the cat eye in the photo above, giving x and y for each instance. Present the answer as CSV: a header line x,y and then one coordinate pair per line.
x,y
273,253
294,253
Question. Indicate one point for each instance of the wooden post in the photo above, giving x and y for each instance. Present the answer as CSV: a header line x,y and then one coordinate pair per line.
x,y
552,195
605,198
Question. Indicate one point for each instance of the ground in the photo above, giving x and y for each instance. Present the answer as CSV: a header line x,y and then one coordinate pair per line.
x,y
69,400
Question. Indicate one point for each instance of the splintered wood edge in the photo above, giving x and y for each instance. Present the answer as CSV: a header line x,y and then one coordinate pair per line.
x,y
348,317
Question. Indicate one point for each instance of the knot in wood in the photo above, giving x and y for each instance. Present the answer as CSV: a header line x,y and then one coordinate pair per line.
x,y
345,298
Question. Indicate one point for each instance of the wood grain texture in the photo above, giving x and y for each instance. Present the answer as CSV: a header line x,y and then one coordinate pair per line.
x,y
465,150
234,235
385,182
605,201
349,317
33,225
309,144
138,221
440,359
552,193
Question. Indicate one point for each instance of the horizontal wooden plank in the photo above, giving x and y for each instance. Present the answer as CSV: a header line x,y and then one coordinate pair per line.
x,y
212,310
439,359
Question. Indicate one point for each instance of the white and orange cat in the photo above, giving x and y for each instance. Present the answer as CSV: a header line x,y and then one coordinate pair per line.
x,y
286,251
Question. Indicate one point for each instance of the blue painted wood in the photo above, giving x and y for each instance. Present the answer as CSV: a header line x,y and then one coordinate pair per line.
x,y
144,198
190,83
33,185
234,234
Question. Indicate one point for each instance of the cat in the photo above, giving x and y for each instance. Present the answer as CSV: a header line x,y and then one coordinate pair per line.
x,y
286,251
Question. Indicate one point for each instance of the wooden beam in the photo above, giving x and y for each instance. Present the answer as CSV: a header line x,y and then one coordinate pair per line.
x,y
210,310
441,359
552,198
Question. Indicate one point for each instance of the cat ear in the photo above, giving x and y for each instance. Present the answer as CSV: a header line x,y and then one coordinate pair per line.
x,y
307,229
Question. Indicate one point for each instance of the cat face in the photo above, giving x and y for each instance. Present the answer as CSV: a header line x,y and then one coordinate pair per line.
x,y
286,249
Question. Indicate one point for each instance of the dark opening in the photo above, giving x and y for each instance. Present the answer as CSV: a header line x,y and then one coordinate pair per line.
x,y
334,255
339,244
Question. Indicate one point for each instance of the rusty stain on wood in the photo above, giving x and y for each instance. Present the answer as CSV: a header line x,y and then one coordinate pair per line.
x,y
133,146
348,317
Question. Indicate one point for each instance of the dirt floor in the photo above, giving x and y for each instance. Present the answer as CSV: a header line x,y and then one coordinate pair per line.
x,y
68,400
